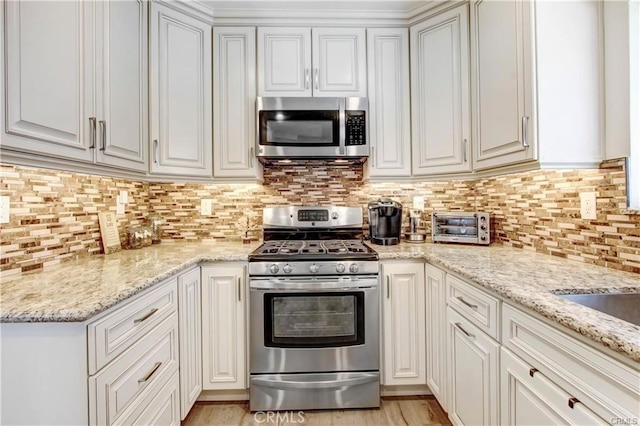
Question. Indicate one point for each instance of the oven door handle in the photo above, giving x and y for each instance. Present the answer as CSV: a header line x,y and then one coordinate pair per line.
x,y
313,286
332,384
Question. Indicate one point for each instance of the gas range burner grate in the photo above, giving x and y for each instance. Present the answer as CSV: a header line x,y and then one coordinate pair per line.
x,y
288,247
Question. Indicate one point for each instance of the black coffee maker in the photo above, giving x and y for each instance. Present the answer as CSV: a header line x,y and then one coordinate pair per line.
x,y
385,221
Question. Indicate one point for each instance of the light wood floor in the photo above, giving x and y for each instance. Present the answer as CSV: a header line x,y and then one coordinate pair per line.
x,y
396,411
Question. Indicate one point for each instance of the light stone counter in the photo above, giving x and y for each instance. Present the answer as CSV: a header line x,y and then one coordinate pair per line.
x,y
80,289
532,280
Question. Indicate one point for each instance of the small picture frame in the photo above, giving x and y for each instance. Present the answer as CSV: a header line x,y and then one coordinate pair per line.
x,y
109,232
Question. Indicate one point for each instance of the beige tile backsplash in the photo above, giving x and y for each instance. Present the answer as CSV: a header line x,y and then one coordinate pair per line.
x,y
54,215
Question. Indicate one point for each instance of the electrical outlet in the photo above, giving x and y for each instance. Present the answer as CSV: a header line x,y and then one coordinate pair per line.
x,y
418,203
124,197
5,205
588,205
205,207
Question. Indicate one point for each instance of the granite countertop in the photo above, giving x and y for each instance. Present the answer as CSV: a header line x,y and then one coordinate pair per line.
x,y
78,290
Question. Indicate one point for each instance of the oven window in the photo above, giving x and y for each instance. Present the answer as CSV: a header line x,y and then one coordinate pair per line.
x,y
299,128
304,320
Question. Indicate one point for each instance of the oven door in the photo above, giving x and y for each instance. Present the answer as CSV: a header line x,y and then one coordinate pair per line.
x,y
314,324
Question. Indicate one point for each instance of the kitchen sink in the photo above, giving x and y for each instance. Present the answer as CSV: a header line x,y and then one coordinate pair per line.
x,y
625,306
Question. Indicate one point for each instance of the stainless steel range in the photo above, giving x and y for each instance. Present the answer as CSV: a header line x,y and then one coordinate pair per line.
x,y
314,319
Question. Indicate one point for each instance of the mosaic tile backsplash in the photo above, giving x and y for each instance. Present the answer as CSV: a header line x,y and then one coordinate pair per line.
x,y
54,215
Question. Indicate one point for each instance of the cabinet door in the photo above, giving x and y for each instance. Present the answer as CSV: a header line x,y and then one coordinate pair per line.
x,y
284,61
49,78
190,327
223,327
403,324
440,102
528,397
180,76
388,79
121,76
436,333
339,62
502,84
234,98
473,373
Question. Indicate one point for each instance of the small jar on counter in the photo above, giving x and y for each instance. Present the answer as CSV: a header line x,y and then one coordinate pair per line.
x,y
154,222
138,236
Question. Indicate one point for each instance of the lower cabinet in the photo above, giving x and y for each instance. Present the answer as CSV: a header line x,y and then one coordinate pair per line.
x,y
403,322
436,340
224,301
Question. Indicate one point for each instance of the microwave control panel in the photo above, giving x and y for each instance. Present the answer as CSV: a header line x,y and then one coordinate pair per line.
x,y
355,128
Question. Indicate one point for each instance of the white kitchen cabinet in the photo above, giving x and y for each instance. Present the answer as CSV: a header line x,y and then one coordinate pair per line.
x,y
536,82
224,300
441,94
312,62
436,341
389,102
234,100
77,81
180,93
528,397
190,338
473,373
403,324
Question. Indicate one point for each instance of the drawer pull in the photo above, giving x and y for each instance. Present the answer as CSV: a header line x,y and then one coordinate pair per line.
x,y
532,371
461,299
150,373
573,401
469,335
151,312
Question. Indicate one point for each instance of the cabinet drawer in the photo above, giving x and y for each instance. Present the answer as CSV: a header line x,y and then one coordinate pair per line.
x,y
475,305
606,386
120,328
161,408
150,362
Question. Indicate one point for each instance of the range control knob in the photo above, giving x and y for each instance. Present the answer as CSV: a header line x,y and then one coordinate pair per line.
x,y
354,268
274,269
313,268
334,215
287,268
340,268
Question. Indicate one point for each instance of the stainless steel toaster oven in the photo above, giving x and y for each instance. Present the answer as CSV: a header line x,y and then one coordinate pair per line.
x,y
461,227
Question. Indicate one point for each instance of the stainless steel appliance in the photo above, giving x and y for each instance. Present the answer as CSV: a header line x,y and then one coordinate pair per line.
x,y
299,128
461,227
385,221
314,319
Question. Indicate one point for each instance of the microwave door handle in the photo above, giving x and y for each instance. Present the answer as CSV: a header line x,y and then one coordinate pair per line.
x,y
342,118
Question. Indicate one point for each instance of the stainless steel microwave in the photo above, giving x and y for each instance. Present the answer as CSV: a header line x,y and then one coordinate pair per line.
x,y
461,227
308,128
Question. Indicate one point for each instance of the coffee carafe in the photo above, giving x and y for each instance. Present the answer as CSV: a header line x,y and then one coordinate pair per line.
x,y
385,221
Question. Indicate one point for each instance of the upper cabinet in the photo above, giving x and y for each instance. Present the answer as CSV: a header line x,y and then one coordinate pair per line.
x,y
76,81
440,89
234,97
181,91
306,62
389,101
536,83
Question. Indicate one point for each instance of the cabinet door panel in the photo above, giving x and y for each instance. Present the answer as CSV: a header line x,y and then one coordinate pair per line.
x,y
181,129
48,89
436,333
284,61
339,62
190,312
440,72
121,68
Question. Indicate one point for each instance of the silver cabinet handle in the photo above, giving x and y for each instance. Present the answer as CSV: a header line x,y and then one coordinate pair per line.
x,y
155,151
103,131
92,123
150,373
251,155
151,312
467,303
239,289
525,119
388,293
464,150
316,79
306,78
373,156
573,401
469,335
